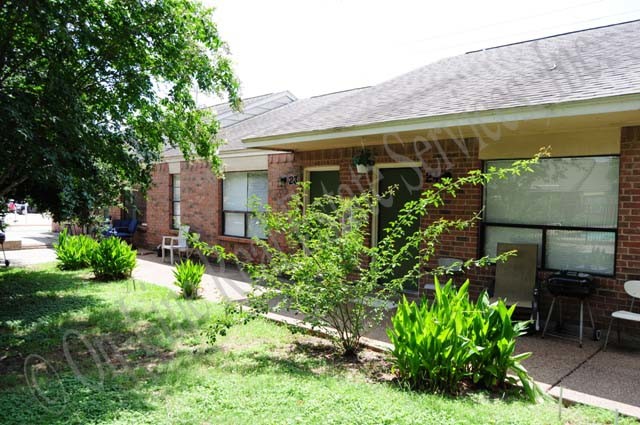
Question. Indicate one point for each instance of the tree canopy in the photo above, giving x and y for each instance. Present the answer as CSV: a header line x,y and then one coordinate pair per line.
x,y
92,91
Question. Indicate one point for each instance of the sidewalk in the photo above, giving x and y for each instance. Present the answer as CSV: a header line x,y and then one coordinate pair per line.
x,y
217,284
29,231
587,375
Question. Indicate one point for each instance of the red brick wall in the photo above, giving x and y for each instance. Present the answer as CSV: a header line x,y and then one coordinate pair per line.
x,y
199,192
456,156
201,203
158,219
460,157
612,296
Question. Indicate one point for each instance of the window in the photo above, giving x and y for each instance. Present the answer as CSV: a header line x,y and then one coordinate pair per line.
x,y
239,192
175,201
567,206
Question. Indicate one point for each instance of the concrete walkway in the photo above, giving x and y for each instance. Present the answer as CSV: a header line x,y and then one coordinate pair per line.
x,y
218,284
29,231
28,257
587,375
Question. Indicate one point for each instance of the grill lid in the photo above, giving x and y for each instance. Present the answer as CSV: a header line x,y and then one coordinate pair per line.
x,y
571,284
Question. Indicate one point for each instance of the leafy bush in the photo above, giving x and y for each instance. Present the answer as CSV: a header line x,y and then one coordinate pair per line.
x,y
74,252
188,278
233,314
321,264
113,259
444,344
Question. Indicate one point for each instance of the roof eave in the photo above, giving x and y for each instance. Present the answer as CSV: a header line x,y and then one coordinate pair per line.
x,y
610,104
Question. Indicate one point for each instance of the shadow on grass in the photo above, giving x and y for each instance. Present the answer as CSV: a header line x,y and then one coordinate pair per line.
x,y
32,305
89,347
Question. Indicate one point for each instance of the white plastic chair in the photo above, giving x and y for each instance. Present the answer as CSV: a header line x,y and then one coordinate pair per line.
x,y
175,243
632,287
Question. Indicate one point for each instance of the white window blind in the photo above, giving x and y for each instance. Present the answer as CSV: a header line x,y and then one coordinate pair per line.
x,y
578,192
241,191
175,201
567,206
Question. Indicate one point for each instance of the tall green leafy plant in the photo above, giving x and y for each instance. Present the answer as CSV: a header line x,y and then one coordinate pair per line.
x,y
74,252
189,278
113,259
443,344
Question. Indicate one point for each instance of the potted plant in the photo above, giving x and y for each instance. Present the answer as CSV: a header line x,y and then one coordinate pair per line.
x,y
363,161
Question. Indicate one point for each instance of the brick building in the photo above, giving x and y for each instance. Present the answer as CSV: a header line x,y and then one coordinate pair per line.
x,y
578,93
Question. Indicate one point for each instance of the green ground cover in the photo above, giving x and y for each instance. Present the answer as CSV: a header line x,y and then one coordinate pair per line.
x,y
125,353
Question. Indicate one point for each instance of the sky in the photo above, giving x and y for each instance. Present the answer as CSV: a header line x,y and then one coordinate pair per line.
x,y
312,47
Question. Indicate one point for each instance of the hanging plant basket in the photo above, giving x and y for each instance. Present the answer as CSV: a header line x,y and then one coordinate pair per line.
x,y
362,169
363,162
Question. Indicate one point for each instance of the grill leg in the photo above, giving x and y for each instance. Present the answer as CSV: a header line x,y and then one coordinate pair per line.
x,y
581,320
560,324
553,302
593,323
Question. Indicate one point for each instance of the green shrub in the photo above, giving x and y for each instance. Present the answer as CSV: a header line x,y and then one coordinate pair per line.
x,y
74,252
322,265
113,259
441,345
188,278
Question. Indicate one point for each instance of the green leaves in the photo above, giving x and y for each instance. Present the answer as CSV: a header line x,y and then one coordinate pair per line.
x,y
317,268
319,261
442,344
92,92
112,259
74,252
188,278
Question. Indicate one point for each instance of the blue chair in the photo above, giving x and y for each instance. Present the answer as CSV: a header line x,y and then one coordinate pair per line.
x,y
125,229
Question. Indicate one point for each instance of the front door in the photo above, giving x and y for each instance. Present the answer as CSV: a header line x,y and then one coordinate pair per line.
x,y
324,183
408,182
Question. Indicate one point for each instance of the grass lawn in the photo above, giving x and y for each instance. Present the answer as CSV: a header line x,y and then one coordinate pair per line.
x,y
136,355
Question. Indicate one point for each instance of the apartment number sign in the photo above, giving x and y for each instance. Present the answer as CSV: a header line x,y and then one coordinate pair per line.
x,y
289,180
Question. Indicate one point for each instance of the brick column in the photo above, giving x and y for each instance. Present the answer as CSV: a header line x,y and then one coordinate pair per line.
x,y
628,249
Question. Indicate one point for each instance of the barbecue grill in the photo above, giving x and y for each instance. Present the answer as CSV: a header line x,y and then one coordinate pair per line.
x,y
570,284
2,239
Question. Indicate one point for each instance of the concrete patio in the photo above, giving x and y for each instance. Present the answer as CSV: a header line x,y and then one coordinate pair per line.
x,y
587,375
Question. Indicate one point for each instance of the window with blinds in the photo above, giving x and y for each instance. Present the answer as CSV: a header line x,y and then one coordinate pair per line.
x,y
567,206
240,192
175,201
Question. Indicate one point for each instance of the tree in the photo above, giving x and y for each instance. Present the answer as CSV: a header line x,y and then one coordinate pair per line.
x,y
321,265
92,91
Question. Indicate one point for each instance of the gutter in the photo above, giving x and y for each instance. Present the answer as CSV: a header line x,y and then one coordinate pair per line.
x,y
236,153
612,104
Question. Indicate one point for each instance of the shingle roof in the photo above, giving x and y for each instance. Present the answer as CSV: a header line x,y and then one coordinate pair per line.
x,y
252,107
582,65
297,112
225,107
